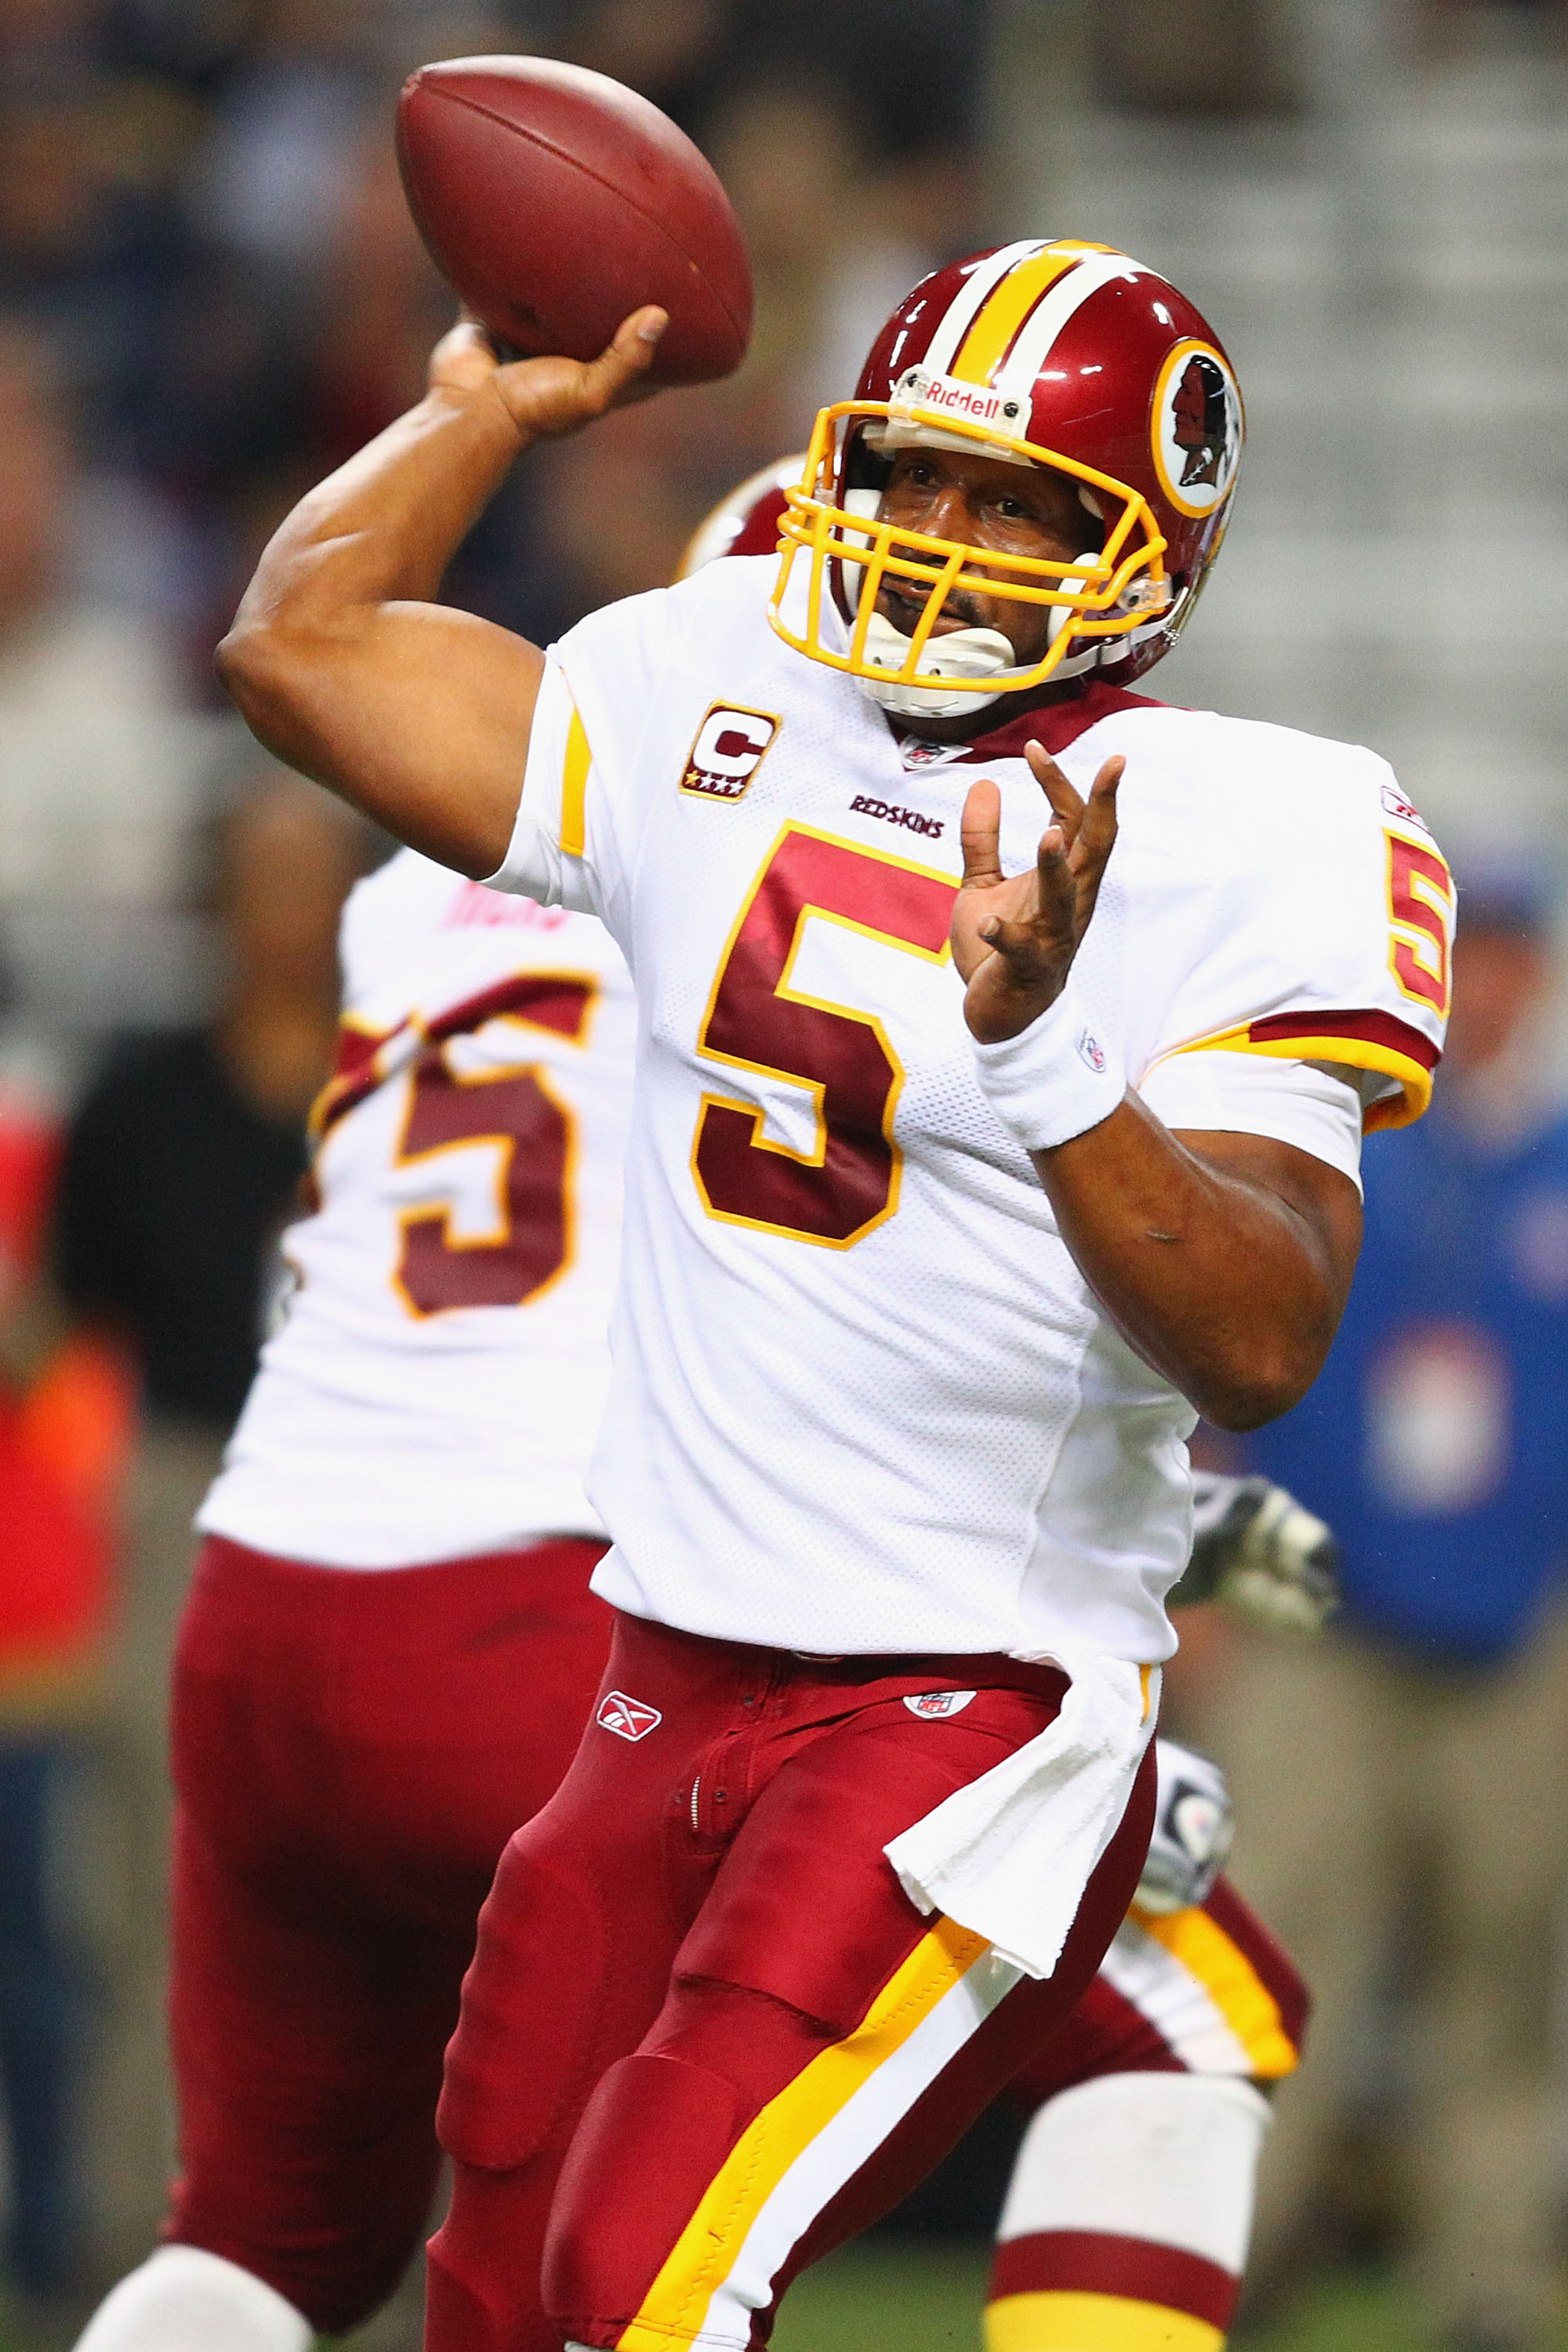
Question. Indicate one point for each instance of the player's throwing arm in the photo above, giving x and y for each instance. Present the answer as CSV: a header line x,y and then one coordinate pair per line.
x,y
339,659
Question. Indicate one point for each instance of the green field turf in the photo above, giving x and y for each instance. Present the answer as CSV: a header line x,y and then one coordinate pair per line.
x,y
887,2297
893,2296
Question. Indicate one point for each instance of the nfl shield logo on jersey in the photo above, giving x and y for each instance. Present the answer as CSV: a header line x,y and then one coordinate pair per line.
x,y
629,1718
939,1702
728,750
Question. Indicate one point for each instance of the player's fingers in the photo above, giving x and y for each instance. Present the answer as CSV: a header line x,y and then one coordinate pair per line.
x,y
1067,803
1096,835
1016,943
1058,895
979,831
628,357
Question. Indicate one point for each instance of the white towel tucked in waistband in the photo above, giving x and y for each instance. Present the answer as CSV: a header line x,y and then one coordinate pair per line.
x,y
1009,1856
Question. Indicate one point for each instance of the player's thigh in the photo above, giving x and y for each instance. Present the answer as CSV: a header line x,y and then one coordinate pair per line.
x,y
460,1693
1015,2032
575,1943
307,2049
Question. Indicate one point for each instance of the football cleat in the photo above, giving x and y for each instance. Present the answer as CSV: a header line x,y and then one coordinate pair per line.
x,y
1048,353
1259,1551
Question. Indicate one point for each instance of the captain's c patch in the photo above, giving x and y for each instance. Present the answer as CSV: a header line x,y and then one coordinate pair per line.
x,y
728,750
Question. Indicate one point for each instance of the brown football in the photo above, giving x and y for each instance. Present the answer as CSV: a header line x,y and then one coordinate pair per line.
x,y
556,201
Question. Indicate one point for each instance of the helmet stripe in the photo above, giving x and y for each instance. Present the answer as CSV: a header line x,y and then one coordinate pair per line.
x,y
981,283
1046,321
1005,312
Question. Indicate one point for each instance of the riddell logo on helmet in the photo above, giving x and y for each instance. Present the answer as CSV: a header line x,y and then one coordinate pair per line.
x,y
728,750
917,389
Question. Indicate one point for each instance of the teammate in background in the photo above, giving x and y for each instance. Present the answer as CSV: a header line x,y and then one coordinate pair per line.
x,y
389,1648
916,1297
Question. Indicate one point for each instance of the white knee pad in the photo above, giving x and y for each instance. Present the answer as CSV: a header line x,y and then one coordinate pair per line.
x,y
185,2300
1168,2157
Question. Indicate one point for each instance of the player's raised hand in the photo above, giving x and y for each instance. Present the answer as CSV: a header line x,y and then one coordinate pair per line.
x,y
1014,936
548,397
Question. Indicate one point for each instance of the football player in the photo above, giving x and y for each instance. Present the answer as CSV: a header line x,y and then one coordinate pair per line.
x,y
919,1295
425,1408
389,1647
1128,2214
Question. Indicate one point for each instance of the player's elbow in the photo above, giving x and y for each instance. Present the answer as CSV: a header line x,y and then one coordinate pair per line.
x,y
1239,1409
246,662
274,672
1256,1386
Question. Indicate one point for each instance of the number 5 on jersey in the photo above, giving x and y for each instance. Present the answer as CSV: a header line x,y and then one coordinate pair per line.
x,y
491,1152
758,1019
1420,901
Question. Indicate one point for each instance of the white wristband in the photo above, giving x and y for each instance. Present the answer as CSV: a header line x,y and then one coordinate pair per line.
x,y
1053,1080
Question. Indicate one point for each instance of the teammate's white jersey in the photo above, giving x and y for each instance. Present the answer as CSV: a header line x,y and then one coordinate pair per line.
x,y
862,1399
436,1384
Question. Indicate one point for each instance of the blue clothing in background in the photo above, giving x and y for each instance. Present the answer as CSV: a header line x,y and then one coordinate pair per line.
x,y
1434,1442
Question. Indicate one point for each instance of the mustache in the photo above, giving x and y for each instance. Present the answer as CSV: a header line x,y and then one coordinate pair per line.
x,y
960,605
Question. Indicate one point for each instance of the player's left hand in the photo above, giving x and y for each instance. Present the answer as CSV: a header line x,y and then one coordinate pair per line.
x,y
1014,936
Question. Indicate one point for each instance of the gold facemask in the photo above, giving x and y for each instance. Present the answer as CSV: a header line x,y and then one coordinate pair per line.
x,y
1103,595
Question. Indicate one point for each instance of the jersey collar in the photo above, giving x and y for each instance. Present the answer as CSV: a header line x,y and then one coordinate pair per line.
x,y
1054,724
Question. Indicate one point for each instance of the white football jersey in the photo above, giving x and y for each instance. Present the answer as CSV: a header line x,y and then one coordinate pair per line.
x,y
442,1366
862,1399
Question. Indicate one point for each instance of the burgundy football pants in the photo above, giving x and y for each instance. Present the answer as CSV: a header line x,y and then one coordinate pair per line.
x,y
351,1752
706,2036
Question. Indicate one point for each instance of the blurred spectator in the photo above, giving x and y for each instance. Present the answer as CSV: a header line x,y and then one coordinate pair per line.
x,y
101,773
62,1430
1199,59
280,158
1401,1784
180,1167
91,246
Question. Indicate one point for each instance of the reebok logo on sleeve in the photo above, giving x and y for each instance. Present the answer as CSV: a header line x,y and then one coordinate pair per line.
x,y
629,1718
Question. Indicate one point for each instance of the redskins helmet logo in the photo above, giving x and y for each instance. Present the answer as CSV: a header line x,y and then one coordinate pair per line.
x,y
1195,428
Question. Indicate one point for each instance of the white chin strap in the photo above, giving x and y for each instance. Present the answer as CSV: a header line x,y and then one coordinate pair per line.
x,y
962,653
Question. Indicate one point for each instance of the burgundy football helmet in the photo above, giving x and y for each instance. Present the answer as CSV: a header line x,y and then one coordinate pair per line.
x,y
1056,354
747,522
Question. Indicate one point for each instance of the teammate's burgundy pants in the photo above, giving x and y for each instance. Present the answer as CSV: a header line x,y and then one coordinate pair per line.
x,y
706,2036
351,1752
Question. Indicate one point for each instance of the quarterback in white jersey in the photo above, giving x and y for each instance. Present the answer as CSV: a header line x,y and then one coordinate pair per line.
x,y
965,1165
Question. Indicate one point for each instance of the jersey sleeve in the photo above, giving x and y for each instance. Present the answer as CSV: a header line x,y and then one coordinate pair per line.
x,y
1318,1107
574,838
1327,943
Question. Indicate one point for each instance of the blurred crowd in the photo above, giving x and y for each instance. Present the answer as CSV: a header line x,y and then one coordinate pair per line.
x,y
210,293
